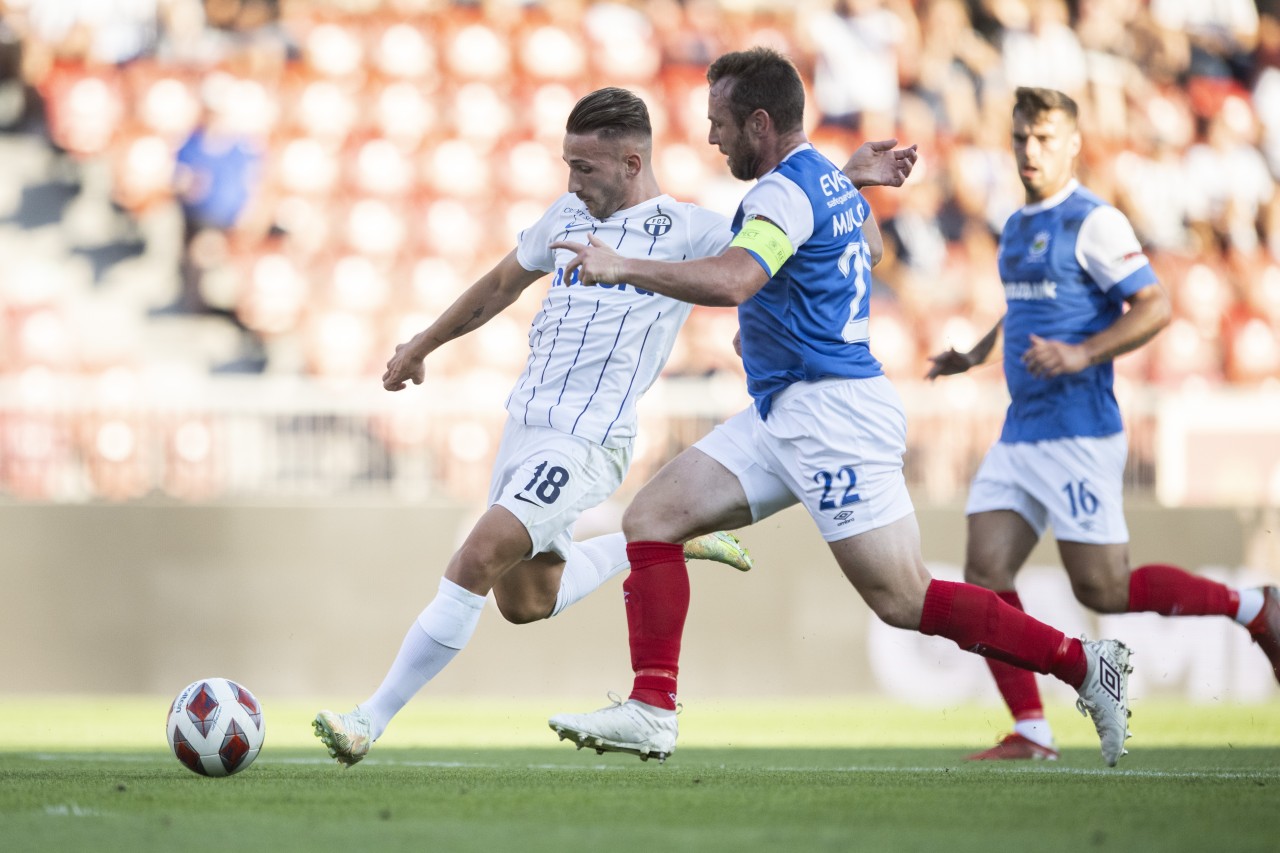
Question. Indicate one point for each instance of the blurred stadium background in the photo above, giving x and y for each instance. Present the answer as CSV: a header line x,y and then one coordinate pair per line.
x,y
218,217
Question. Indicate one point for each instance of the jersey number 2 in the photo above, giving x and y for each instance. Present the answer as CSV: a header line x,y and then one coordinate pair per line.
x,y
856,260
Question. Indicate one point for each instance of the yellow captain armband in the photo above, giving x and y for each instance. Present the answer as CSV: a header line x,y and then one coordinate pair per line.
x,y
767,242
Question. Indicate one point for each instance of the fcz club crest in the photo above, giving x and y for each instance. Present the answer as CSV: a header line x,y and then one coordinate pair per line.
x,y
656,226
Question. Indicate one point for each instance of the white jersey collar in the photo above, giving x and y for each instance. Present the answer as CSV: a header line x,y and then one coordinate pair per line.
x,y
1054,200
647,203
801,147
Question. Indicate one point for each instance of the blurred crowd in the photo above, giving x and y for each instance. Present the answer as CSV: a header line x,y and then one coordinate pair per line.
x,y
344,167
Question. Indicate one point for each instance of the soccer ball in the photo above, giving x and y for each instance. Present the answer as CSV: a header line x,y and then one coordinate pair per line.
x,y
215,727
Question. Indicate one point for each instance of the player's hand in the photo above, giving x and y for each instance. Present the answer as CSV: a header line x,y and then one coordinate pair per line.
x,y
404,366
595,263
1046,359
948,363
878,164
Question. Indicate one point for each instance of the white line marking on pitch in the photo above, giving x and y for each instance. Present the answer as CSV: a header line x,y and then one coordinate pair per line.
x,y
909,770
70,810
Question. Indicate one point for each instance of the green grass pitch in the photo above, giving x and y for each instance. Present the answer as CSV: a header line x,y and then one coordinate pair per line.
x,y
95,774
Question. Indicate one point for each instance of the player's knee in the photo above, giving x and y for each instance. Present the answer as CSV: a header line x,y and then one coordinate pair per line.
x,y
985,576
480,562
1102,597
906,618
642,524
978,577
523,610
896,611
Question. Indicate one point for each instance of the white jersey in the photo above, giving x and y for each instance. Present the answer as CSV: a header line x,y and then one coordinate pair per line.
x,y
594,350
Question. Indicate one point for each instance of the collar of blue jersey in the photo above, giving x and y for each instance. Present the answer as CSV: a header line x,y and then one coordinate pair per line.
x,y
1054,200
801,147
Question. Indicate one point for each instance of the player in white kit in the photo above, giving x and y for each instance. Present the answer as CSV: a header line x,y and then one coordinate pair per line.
x,y
572,414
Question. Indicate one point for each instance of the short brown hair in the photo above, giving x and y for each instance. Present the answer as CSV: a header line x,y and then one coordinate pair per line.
x,y
611,112
1032,102
763,79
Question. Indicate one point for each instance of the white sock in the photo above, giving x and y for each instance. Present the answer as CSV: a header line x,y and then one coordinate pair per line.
x,y
1037,730
434,639
590,564
1251,601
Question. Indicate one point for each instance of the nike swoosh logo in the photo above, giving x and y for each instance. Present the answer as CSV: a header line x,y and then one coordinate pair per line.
x,y
526,500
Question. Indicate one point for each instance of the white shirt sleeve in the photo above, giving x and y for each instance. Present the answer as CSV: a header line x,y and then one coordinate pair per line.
x,y
533,245
783,203
709,233
1107,248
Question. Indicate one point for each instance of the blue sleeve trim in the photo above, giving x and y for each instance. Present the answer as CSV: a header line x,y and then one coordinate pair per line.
x,y
759,260
1141,277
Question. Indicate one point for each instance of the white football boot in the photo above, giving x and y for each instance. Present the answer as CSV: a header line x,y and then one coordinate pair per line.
x,y
628,726
1104,695
348,736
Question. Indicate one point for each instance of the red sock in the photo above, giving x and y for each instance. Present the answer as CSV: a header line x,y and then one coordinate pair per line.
x,y
656,594
1017,686
1171,591
976,620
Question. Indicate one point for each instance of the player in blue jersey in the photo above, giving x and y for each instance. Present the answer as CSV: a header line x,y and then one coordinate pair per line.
x,y
826,428
1079,292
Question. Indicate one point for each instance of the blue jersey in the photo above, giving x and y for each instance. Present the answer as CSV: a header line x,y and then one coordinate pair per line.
x,y
810,320
1067,264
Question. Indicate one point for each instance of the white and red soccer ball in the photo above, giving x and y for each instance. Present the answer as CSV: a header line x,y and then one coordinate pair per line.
x,y
215,727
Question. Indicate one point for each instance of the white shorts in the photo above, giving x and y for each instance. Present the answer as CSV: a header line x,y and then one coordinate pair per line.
x,y
834,445
1074,484
547,479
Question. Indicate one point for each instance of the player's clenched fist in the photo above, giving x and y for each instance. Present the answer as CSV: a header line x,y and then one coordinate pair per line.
x,y
1047,358
406,365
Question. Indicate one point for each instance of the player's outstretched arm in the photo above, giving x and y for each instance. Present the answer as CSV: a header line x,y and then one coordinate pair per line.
x,y
484,300
879,164
952,362
725,280
1149,312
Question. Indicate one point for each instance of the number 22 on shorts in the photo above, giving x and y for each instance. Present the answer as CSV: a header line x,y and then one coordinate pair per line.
x,y
831,484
